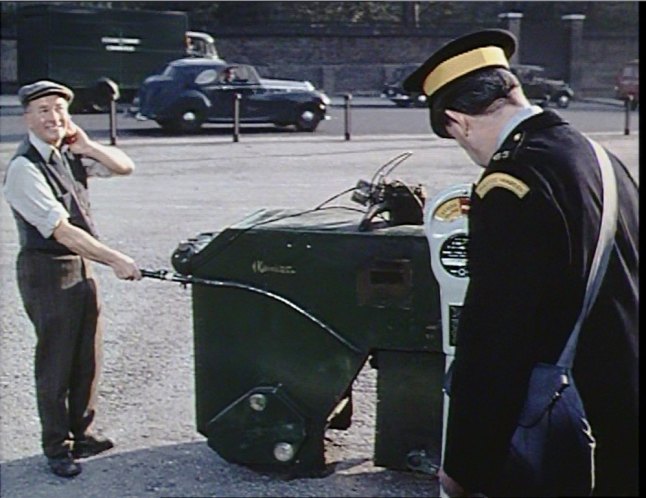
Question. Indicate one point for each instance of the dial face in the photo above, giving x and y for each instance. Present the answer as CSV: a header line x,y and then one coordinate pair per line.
x,y
453,255
452,209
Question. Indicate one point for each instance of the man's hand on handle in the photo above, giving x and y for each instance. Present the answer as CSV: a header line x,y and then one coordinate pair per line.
x,y
124,267
83,244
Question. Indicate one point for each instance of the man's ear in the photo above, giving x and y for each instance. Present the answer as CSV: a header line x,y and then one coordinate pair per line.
x,y
460,119
456,116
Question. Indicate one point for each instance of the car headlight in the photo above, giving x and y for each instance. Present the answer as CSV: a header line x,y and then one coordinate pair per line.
x,y
325,99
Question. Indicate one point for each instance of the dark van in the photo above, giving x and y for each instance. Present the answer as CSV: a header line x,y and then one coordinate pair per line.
x,y
78,46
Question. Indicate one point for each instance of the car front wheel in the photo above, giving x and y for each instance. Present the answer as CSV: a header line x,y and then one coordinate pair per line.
x,y
563,101
189,120
308,119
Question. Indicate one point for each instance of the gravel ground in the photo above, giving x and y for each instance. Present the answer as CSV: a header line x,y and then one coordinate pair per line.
x,y
184,186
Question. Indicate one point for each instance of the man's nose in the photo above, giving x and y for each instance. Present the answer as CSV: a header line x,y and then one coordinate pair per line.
x,y
53,114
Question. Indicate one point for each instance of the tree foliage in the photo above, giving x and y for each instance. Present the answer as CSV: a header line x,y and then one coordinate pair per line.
x,y
600,15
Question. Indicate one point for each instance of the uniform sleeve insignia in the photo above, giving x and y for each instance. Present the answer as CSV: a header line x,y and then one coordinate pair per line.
x,y
503,180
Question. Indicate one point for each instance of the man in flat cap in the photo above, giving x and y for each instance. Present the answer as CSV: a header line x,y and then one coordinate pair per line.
x,y
534,222
46,185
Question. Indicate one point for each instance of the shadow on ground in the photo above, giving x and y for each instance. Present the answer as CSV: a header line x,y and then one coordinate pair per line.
x,y
194,470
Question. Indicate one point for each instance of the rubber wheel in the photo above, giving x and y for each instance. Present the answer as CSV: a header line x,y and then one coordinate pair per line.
x,y
189,120
563,101
308,119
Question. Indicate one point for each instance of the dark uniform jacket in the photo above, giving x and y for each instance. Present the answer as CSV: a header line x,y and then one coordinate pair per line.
x,y
534,223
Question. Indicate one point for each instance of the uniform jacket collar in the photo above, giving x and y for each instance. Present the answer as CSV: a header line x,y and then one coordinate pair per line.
x,y
514,140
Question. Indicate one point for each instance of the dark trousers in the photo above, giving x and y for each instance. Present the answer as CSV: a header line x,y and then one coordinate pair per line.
x,y
60,297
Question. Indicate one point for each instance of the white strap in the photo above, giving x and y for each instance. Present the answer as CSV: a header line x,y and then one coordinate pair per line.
x,y
601,253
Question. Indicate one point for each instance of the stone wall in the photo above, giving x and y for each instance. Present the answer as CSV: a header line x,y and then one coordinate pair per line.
x,y
604,56
360,64
342,64
8,66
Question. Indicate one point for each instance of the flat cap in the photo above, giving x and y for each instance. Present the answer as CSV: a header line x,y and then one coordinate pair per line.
x,y
43,88
460,57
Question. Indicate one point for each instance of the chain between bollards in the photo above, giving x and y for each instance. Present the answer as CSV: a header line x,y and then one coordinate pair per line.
x,y
347,98
629,104
236,117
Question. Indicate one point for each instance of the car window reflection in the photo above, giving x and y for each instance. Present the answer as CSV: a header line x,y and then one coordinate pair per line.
x,y
206,77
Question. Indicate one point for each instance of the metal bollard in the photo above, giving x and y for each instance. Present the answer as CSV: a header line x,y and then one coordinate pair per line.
x,y
113,122
106,92
347,97
628,101
236,117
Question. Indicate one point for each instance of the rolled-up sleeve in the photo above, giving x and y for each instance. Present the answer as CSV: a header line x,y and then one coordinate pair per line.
x,y
27,191
91,165
96,169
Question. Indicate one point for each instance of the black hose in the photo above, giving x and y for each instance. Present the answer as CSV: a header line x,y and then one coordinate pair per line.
x,y
189,279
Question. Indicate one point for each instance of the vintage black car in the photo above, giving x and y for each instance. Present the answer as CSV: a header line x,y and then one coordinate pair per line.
x,y
537,87
393,89
193,91
540,89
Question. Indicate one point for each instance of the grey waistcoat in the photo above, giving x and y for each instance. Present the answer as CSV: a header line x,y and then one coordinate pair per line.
x,y
72,193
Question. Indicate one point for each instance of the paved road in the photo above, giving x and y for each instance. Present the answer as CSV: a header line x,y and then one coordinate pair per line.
x,y
369,116
183,186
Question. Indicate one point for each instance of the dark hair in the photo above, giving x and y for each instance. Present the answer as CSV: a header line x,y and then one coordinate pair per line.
x,y
472,94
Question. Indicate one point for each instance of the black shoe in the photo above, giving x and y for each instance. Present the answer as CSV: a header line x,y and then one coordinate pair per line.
x,y
64,466
91,446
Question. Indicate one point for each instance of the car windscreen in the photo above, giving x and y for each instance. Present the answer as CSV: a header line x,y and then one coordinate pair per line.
x,y
187,73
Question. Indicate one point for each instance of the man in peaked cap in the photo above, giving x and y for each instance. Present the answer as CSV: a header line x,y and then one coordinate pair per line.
x,y
534,221
46,185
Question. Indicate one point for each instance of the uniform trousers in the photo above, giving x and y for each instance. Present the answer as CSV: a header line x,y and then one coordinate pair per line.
x,y
61,299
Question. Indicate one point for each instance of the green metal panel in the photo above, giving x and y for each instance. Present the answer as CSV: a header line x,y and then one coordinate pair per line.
x,y
77,46
377,285
333,296
409,414
258,427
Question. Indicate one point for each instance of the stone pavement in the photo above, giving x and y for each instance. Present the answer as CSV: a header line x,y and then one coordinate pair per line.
x,y
184,186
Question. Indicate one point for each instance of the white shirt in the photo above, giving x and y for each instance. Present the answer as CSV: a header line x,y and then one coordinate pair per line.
x,y
27,191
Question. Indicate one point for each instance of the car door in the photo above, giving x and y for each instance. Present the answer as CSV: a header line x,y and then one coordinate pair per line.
x,y
256,104
233,79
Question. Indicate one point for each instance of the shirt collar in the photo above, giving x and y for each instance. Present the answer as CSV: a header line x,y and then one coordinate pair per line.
x,y
44,149
516,119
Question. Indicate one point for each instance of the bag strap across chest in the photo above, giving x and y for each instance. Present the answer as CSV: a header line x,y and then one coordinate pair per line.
x,y
601,254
